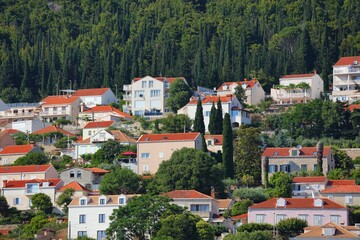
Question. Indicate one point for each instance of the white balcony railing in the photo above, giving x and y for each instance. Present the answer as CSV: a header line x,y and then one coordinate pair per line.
x,y
347,71
127,97
127,87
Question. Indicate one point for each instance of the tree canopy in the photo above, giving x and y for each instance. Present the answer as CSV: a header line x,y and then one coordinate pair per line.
x,y
33,158
179,95
120,181
42,202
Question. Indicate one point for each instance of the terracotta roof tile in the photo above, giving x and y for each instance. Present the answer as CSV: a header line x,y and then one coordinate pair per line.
x,y
103,124
74,185
109,109
218,139
353,107
294,203
238,217
285,152
309,179
51,129
94,200
162,79
299,75
343,189
23,169
168,137
186,194
249,84
22,183
17,149
53,100
122,137
213,99
85,141
224,203
317,233
345,61
91,92
97,170
11,131
334,183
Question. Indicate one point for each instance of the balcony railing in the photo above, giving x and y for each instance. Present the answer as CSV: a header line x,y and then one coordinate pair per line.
x,y
31,190
347,71
127,97
127,87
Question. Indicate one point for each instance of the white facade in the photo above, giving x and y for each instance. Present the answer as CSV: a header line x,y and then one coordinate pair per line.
x,y
60,107
30,125
92,144
18,110
106,98
298,95
346,79
230,104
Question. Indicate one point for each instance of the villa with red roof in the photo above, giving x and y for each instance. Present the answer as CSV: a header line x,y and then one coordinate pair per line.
x,y
346,79
9,154
214,142
18,193
343,194
147,96
316,211
92,128
153,149
253,90
60,106
79,190
96,96
102,113
229,103
52,133
290,91
90,178
294,160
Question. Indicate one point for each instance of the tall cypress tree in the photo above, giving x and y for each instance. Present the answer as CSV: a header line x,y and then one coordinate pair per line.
x,y
199,125
219,118
212,123
227,147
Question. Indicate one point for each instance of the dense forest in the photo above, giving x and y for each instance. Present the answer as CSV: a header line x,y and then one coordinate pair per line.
x,y
45,45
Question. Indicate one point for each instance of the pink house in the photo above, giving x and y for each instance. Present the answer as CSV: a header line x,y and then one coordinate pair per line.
x,y
316,211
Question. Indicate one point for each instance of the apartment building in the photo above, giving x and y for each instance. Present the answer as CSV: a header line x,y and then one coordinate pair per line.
x,y
96,96
61,106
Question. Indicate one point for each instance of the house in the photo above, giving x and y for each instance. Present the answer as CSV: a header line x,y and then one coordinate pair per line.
x,y
329,231
238,220
253,90
297,88
79,190
60,106
343,194
147,96
301,159
90,178
96,96
346,79
29,125
19,111
92,128
52,133
152,149
229,103
316,211
18,193
6,140
214,142
102,113
89,215
10,153
28,172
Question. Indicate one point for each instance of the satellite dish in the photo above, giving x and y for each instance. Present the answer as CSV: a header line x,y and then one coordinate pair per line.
x,y
141,95
299,147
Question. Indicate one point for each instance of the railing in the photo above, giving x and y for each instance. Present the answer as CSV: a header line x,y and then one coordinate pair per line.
x,y
349,70
153,113
127,87
31,191
127,97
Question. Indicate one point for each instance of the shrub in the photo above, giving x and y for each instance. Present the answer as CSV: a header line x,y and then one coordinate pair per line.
x,y
254,194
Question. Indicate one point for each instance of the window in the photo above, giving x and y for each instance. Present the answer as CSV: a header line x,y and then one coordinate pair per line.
x,y
32,188
318,220
199,208
209,142
101,218
273,168
294,152
260,218
17,201
145,155
348,199
143,84
335,219
207,113
139,93
82,201
102,201
151,84
121,201
161,154
101,235
234,113
304,167
303,217
285,168
82,233
155,93
280,217
89,133
78,174
82,218
315,167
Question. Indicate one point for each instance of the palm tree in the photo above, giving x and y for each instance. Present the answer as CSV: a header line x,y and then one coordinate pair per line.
x,y
304,86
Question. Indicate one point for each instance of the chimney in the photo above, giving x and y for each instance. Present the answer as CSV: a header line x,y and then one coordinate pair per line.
x,y
315,72
4,183
212,194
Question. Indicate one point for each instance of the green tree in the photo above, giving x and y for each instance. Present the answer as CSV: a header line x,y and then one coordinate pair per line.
x,y
120,180
140,217
281,183
212,121
199,125
4,207
240,94
107,153
291,227
342,161
336,174
179,95
219,117
248,153
189,168
36,223
41,202
256,195
256,235
241,207
252,227
204,230
65,198
176,123
33,158
227,147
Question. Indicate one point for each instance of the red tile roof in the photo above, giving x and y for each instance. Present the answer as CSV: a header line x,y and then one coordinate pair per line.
x,y
299,75
309,179
122,137
109,109
17,149
97,170
218,139
53,100
21,183
165,137
345,61
353,107
285,152
91,92
340,182
103,124
316,232
238,217
169,79
343,189
74,185
51,129
23,169
213,99
294,203
224,203
249,84
11,131
186,194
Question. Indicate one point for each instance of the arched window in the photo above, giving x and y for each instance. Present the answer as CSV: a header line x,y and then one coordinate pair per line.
x,y
72,174
78,174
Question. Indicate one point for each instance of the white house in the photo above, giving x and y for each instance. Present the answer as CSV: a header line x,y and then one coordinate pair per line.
x,y
253,90
60,106
29,125
290,90
96,96
147,96
229,103
346,79
93,128
102,113
89,215
19,111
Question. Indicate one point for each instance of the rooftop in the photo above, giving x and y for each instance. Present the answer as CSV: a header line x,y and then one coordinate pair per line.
x,y
162,79
122,137
22,183
316,179
343,189
297,203
191,136
316,232
60,99
24,169
212,99
103,124
248,84
218,139
345,61
91,92
299,75
53,128
107,108
74,185
285,152
16,149
186,194
94,200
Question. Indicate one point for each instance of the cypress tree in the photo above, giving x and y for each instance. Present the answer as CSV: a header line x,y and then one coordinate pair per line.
x,y
219,118
227,147
212,123
199,125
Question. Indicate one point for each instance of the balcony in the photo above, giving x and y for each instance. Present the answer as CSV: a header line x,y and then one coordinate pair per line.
x,y
127,97
54,113
127,87
31,191
349,70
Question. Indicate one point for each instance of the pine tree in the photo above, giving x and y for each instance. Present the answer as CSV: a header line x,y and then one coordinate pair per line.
x,y
219,118
227,147
199,125
212,123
